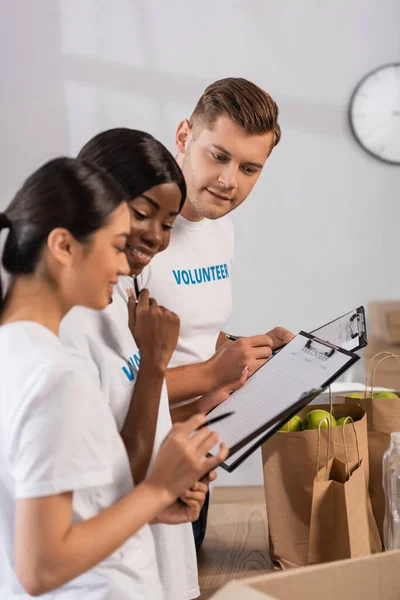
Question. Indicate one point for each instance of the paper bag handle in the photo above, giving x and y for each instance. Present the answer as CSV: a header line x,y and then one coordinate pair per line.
x,y
329,421
386,355
345,445
330,402
329,430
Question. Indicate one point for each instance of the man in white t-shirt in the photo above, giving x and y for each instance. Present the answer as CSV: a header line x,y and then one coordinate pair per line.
x,y
222,150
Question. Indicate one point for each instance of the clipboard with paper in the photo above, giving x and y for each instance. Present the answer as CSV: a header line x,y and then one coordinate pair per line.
x,y
289,381
348,331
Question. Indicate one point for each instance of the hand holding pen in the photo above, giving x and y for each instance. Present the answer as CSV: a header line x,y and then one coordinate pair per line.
x,y
154,328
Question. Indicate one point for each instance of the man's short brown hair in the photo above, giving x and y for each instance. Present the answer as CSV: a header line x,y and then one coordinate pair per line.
x,y
249,107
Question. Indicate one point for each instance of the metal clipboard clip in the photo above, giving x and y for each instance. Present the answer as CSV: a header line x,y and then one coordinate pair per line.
x,y
323,343
360,325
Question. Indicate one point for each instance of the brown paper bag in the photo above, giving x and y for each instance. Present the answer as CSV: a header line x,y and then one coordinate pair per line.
x,y
383,417
342,525
289,467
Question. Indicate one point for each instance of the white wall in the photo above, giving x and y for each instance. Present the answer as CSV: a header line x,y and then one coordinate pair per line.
x,y
318,235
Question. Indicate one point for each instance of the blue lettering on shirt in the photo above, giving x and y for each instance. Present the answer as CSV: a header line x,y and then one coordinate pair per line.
x,y
132,367
205,271
177,275
200,275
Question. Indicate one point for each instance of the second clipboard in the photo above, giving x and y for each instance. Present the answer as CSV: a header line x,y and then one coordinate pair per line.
x,y
348,331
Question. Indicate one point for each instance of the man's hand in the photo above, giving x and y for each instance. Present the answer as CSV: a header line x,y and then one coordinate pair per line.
x,y
187,508
279,336
230,360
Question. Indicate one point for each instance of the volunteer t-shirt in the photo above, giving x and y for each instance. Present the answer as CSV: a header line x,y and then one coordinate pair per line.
x,y
57,434
192,277
106,338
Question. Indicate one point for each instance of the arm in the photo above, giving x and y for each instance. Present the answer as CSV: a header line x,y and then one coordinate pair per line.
x,y
207,402
139,429
188,381
50,550
156,331
225,366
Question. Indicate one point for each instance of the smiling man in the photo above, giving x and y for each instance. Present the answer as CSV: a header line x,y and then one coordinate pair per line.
x,y
222,150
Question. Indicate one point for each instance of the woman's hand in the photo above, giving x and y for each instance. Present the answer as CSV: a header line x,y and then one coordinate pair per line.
x,y
182,459
154,328
186,509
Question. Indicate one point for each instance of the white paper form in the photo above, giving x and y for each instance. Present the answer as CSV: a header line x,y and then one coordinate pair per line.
x,y
279,384
342,332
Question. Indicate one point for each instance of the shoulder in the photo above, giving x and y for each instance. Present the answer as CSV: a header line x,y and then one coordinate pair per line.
x,y
59,431
46,378
31,344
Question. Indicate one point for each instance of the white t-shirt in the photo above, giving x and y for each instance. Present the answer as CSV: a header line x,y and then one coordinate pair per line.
x,y
57,434
192,277
106,338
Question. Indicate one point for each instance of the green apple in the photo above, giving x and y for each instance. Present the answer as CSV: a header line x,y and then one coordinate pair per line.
x,y
385,395
361,396
343,421
314,418
295,424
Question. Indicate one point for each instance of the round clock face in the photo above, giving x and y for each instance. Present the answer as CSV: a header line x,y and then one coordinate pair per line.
x,y
374,113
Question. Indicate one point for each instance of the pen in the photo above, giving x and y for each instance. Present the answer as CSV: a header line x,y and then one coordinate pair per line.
x,y
216,419
136,286
233,338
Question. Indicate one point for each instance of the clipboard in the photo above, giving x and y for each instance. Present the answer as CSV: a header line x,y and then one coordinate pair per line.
x,y
348,331
310,356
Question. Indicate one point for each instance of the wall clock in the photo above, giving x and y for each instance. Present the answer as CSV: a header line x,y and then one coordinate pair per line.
x,y
374,113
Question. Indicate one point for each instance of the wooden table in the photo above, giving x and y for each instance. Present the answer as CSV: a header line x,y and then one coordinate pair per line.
x,y
236,544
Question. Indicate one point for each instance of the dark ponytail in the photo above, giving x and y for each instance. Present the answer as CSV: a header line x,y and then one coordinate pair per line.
x,y
65,192
135,159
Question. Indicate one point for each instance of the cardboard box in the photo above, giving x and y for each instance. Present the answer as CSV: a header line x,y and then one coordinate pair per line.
x,y
369,578
376,345
384,320
388,372
388,380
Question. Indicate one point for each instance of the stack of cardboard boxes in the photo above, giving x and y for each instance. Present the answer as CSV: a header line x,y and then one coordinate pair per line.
x,y
384,336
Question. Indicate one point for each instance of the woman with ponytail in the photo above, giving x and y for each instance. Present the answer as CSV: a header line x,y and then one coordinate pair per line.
x,y
73,524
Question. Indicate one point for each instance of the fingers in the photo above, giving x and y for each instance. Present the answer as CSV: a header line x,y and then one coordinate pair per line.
x,y
190,425
280,336
143,299
209,478
213,461
173,431
258,340
260,353
204,440
132,304
199,486
193,496
196,505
